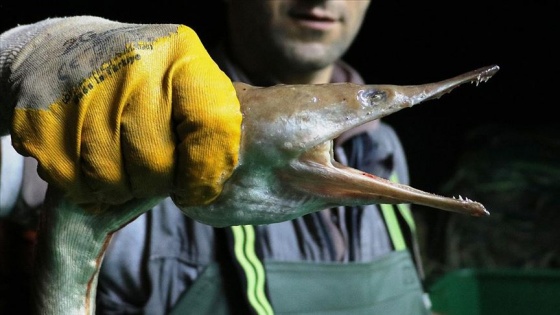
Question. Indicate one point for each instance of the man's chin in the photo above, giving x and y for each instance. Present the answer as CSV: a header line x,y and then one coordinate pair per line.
x,y
312,56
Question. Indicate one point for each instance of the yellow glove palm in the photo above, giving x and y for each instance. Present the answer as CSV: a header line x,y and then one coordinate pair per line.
x,y
121,111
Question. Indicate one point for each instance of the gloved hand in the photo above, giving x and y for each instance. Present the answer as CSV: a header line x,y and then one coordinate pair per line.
x,y
116,111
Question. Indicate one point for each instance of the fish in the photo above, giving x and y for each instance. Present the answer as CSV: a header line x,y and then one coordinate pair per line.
x,y
286,169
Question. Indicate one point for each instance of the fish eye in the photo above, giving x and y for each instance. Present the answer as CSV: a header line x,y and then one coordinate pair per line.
x,y
371,97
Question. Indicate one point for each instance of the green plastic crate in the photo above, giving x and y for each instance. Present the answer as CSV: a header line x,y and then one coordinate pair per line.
x,y
496,292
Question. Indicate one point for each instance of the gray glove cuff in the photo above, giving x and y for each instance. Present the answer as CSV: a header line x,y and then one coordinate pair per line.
x,y
11,43
22,42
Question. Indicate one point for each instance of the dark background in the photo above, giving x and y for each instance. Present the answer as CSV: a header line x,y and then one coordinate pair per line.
x,y
407,42
402,42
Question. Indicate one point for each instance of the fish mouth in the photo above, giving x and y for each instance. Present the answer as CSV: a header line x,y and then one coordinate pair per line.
x,y
316,172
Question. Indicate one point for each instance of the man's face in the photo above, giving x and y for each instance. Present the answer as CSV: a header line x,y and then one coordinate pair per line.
x,y
297,34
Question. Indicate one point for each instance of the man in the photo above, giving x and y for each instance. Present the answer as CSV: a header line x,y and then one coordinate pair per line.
x,y
180,260
344,260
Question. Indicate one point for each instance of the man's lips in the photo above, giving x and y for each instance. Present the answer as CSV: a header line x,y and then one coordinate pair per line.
x,y
314,19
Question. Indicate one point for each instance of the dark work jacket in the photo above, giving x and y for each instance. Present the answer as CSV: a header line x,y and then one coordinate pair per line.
x,y
157,261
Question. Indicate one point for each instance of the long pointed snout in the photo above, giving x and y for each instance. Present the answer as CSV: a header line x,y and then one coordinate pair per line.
x,y
299,117
420,93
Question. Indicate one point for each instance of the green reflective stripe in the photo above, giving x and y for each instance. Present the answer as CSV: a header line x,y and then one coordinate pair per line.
x,y
254,271
259,269
393,226
404,208
392,222
406,214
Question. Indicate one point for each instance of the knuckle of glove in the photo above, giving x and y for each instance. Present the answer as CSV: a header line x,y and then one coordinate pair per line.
x,y
208,116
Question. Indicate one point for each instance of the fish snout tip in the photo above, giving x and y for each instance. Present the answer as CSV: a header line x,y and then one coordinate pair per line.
x,y
482,212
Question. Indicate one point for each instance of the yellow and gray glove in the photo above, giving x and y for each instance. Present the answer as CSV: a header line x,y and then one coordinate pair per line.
x,y
116,111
